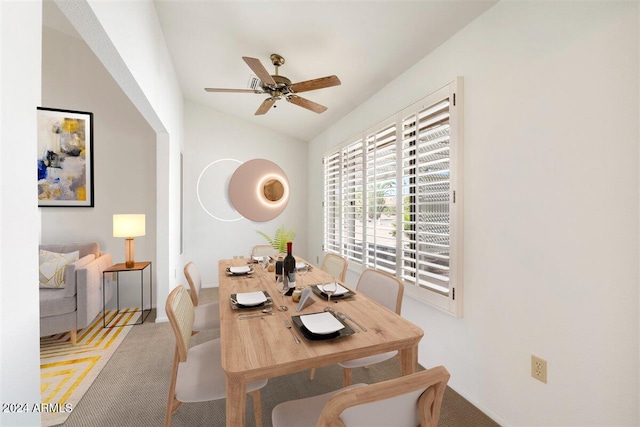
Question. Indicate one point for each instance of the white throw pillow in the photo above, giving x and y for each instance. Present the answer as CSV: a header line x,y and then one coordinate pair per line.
x,y
52,265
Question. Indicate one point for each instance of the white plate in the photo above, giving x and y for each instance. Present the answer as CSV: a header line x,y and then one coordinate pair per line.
x,y
301,265
251,298
239,270
321,323
339,289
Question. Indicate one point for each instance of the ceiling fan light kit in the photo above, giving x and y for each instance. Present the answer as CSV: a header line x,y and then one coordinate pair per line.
x,y
278,87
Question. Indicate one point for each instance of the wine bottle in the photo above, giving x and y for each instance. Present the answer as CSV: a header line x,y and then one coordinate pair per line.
x,y
289,269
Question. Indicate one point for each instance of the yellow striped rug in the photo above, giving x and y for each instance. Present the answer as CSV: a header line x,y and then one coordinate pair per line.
x,y
67,372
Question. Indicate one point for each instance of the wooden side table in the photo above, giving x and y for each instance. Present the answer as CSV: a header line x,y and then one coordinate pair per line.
x,y
122,268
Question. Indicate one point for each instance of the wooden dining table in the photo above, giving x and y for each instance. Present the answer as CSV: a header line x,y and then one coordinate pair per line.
x,y
262,347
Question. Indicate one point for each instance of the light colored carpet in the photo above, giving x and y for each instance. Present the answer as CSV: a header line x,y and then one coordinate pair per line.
x,y
132,389
67,372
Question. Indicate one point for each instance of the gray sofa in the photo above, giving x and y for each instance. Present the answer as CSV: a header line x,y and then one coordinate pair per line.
x,y
77,304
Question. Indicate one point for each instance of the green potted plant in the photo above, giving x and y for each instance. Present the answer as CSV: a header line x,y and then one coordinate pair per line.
x,y
280,238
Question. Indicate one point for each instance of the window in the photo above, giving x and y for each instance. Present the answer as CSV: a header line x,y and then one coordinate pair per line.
x,y
393,198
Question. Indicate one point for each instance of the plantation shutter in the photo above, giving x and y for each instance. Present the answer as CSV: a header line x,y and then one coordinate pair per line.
x,y
380,199
332,212
390,198
426,191
352,201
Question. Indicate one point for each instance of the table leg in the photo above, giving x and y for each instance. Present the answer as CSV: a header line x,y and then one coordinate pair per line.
x,y
236,402
409,360
141,297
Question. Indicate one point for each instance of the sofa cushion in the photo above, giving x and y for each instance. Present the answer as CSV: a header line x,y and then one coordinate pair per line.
x,y
52,267
52,305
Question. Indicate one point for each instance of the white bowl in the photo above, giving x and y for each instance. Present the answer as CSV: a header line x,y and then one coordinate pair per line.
x,y
321,323
251,298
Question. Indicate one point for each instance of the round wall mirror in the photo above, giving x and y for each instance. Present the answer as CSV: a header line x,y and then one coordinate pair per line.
x,y
259,190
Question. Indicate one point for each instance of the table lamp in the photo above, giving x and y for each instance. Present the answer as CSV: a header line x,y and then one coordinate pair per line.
x,y
128,226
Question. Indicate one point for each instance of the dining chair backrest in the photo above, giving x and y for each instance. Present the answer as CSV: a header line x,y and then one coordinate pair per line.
x,y
264,250
181,313
335,265
382,287
405,401
194,279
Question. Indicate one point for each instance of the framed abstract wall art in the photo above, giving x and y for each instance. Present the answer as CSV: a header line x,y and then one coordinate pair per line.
x,y
65,158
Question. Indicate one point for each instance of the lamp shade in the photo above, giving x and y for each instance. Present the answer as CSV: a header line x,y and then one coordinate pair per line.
x,y
128,225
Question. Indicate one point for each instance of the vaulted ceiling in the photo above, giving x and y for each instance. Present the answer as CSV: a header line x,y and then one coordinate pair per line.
x,y
367,44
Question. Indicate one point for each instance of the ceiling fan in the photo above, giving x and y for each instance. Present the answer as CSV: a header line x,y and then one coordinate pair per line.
x,y
278,87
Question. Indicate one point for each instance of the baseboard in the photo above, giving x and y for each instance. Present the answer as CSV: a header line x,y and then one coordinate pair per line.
x,y
481,406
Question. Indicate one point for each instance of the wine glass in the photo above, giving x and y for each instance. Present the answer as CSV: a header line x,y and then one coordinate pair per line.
x,y
282,287
264,263
302,271
330,288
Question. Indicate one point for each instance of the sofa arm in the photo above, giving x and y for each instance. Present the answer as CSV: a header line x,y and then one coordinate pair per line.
x,y
89,289
70,274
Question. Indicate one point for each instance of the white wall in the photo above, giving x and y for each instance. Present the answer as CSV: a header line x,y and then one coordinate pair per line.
x,y
123,148
551,210
20,88
210,136
20,39
127,38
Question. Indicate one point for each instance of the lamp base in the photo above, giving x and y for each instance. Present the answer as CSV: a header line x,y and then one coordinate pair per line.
x,y
128,252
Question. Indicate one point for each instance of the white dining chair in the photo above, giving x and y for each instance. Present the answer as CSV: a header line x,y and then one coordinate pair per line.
x,y
406,401
335,265
264,250
207,316
387,290
196,374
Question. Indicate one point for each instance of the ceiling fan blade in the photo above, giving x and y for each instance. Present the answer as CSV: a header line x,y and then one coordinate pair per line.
x,y
305,103
314,84
257,67
215,89
265,106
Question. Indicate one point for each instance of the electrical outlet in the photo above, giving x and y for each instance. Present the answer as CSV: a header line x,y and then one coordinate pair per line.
x,y
539,368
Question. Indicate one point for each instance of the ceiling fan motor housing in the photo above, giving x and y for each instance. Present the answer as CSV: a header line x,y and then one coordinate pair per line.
x,y
282,87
